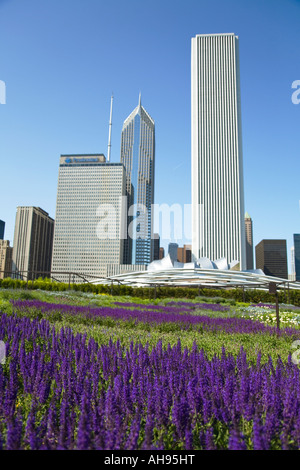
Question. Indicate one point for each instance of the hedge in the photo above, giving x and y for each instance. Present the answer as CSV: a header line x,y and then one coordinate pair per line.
x,y
237,294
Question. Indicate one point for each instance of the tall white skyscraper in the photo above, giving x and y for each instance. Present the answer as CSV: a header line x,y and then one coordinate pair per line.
x,y
218,229
90,213
138,158
292,275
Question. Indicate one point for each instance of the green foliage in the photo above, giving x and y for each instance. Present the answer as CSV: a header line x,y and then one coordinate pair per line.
x,y
102,329
231,296
106,329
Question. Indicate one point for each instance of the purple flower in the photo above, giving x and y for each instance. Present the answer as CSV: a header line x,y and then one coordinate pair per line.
x,y
236,440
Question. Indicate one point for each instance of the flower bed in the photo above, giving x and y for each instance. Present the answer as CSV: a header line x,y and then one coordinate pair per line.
x,y
164,315
62,391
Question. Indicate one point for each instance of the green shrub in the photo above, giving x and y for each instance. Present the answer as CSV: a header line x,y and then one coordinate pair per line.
x,y
230,296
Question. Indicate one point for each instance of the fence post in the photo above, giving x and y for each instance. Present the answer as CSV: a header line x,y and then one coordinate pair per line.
x,y
285,292
273,290
277,312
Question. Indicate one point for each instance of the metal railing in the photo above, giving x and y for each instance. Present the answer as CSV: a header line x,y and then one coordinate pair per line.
x,y
70,277
154,288
51,275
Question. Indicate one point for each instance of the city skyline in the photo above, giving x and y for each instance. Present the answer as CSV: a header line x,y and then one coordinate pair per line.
x,y
50,110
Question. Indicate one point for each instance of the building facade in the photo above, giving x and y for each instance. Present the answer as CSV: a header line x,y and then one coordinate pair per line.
x,y
117,269
156,246
172,251
297,255
271,257
218,229
90,217
249,241
184,254
292,275
5,259
33,240
138,158
2,228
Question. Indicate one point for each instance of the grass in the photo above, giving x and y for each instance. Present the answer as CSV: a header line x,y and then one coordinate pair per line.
x,y
102,330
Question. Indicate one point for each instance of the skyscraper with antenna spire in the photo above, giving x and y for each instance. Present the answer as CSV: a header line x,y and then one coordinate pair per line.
x,y
110,126
138,158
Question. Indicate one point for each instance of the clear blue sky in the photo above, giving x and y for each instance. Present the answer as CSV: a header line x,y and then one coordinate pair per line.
x,y
62,59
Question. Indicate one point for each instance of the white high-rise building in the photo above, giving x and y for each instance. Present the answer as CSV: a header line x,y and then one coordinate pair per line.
x,y
292,275
218,229
90,213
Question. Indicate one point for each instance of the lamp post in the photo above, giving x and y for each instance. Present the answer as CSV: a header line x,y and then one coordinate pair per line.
x,y
273,290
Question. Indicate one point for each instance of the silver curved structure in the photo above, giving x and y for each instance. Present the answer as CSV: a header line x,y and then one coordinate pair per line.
x,y
204,273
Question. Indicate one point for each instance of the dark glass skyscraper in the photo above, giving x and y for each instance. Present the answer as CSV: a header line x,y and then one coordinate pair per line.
x,y
156,246
271,257
172,251
138,158
2,227
297,255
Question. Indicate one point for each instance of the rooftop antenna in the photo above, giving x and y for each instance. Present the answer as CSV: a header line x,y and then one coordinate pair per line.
x,y
110,124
